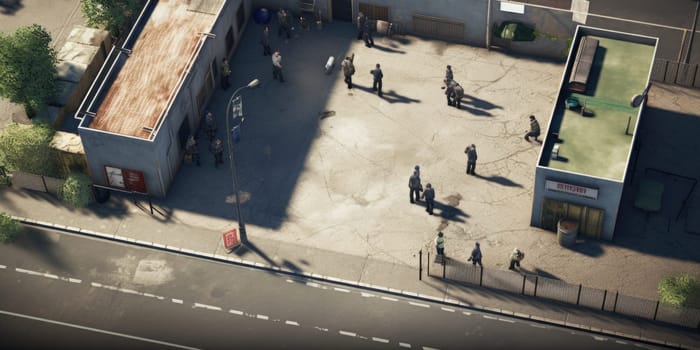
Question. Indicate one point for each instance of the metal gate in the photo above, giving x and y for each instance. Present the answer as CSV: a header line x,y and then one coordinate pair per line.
x,y
590,219
438,27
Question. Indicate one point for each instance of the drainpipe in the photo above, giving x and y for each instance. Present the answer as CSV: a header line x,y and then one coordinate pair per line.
x,y
488,25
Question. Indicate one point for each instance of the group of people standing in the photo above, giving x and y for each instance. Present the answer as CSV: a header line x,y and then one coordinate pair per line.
x,y
216,146
515,257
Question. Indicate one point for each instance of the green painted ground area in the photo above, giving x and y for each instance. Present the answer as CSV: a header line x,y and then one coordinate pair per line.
x,y
598,145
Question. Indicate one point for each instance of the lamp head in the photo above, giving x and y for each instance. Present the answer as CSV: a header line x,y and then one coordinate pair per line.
x,y
253,83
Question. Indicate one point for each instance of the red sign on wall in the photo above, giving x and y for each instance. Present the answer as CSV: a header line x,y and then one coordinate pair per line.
x,y
134,181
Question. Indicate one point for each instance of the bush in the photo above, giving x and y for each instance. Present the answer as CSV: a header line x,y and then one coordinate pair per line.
x,y
680,290
76,190
27,149
515,31
10,229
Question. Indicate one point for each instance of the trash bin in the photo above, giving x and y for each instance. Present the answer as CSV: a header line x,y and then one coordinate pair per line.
x,y
567,230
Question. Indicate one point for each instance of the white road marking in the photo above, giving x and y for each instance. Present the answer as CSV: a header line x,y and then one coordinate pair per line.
x,y
537,325
205,306
29,272
321,329
466,313
262,317
149,295
491,317
405,345
74,280
506,320
236,312
291,323
312,284
447,309
3,267
128,291
289,281
380,340
620,342
390,299
341,290
368,295
349,334
48,275
96,330
429,348
599,338
177,301
419,304
98,285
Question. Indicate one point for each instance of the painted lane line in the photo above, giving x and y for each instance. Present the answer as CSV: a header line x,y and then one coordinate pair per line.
x,y
390,299
405,345
95,284
177,301
74,280
48,275
96,330
235,312
491,317
289,281
29,272
312,284
538,326
291,323
128,291
429,348
621,342
321,329
465,313
368,295
506,320
349,334
341,290
205,306
380,340
3,267
262,317
599,338
447,309
419,304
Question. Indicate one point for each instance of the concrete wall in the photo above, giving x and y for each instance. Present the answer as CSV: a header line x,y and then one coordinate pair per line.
x,y
609,195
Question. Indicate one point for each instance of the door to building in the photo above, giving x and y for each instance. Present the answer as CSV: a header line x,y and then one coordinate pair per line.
x,y
374,12
590,219
342,10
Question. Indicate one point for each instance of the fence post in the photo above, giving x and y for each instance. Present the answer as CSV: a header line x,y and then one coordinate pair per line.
x,y
444,266
420,265
150,204
481,276
578,298
617,293
656,310
535,294
605,295
523,292
43,181
428,262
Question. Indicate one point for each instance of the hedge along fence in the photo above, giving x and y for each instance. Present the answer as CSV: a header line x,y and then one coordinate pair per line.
x,y
37,183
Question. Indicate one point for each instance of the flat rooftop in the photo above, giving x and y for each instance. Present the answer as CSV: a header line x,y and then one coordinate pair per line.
x,y
597,145
142,91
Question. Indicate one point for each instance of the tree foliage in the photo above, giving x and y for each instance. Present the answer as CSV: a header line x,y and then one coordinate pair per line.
x,y
114,15
680,290
28,68
76,190
10,229
27,149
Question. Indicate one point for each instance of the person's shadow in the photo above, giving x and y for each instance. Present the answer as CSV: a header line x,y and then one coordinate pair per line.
x,y
446,211
390,96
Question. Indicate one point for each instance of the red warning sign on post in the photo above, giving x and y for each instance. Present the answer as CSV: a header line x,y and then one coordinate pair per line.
x,y
231,239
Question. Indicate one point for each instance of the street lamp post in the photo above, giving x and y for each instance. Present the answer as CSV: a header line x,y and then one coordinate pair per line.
x,y
234,174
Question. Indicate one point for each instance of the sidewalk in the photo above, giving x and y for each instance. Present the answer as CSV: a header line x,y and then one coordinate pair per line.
x,y
122,220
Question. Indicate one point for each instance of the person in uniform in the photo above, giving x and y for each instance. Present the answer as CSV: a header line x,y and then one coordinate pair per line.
x,y
440,244
265,41
210,125
457,95
534,130
414,187
348,71
277,66
367,34
192,150
515,258
449,90
448,75
217,149
471,158
377,80
361,19
476,256
225,74
429,195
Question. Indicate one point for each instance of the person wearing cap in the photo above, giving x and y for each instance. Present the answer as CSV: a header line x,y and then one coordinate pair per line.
x,y
534,129
471,158
515,258
448,74
475,258
440,244
429,195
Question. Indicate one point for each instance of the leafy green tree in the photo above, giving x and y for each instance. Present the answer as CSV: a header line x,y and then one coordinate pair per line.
x,y
28,68
114,15
10,229
680,290
27,149
76,190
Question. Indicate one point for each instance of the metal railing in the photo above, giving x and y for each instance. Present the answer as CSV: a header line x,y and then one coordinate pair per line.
x,y
554,289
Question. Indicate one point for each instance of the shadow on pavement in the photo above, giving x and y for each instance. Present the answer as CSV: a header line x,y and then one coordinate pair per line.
x,y
35,241
387,49
10,7
499,180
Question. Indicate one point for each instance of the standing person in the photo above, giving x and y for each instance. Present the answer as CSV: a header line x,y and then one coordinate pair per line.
x,y
534,129
377,80
475,257
414,187
225,74
277,66
217,149
361,19
210,125
348,71
448,75
265,41
440,245
471,158
192,149
515,258
429,195
416,169
449,91
457,95
367,34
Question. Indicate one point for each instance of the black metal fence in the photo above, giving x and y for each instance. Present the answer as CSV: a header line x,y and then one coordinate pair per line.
x,y
553,289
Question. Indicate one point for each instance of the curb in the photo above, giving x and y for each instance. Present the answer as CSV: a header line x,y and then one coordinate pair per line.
x,y
330,279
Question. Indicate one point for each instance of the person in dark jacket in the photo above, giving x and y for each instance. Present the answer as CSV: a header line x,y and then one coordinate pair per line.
x,y
414,187
534,129
457,95
449,90
265,41
476,256
367,34
448,74
377,80
348,71
217,149
471,158
429,195
361,20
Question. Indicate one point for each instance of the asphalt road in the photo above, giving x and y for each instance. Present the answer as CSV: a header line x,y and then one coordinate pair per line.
x,y
64,291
